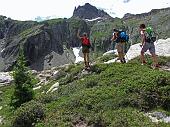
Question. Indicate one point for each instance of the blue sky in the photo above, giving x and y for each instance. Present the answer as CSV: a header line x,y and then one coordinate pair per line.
x,y
29,9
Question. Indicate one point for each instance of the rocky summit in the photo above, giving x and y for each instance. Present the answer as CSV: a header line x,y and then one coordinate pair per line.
x,y
89,12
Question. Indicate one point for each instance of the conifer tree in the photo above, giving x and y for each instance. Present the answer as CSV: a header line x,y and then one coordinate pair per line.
x,y
23,81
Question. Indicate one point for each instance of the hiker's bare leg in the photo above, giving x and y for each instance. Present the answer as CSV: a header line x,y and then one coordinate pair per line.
x,y
85,62
121,56
119,51
123,51
142,57
87,59
154,58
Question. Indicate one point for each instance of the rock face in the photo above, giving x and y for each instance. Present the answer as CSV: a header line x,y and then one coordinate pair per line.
x,y
45,44
89,12
152,12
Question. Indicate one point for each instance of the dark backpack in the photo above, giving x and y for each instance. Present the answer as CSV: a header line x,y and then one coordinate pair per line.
x,y
85,41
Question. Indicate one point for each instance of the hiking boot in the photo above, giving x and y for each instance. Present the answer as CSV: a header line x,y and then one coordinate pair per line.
x,y
143,63
124,61
121,61
87,68
157,66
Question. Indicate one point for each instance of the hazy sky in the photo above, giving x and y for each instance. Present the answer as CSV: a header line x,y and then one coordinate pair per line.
x,y
29,9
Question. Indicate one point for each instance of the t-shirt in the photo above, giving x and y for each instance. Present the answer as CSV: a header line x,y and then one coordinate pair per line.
x,y
85,41
142,32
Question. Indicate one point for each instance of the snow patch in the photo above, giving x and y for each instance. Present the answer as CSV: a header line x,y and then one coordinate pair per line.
x,y
90,20
163,47
2,50
110,52
76,51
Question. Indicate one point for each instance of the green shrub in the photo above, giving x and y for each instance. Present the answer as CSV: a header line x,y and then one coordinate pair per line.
x,y
28,114
91,82
98,68
47,98
106,58
163,60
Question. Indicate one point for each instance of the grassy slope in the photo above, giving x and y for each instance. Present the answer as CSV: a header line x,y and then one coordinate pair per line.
x,y
115,95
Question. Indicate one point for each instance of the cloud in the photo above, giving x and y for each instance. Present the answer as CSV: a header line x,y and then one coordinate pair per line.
x,y
126,1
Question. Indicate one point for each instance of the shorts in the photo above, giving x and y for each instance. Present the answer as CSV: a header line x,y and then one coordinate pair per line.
x,y
85,49
120,47
148,46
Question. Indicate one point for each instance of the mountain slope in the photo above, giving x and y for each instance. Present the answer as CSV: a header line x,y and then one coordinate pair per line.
x,y
111,95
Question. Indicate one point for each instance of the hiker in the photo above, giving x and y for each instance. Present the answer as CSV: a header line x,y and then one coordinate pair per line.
x,y
120,45
85,48
147,44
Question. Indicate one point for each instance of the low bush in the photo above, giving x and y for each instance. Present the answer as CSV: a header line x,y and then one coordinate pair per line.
x,y
28,114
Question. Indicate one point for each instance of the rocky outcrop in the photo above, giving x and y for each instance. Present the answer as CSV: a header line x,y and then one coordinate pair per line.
x,y
45,44
152,12
89,12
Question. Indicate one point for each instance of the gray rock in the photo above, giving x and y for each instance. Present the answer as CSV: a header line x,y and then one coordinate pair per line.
x,y
1,120
158,117
57,74
53,87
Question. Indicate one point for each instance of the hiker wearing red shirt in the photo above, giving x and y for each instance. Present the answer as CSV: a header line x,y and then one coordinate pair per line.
x,y
85,48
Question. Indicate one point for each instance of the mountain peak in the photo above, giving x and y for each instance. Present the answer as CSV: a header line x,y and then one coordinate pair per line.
x,y
88,11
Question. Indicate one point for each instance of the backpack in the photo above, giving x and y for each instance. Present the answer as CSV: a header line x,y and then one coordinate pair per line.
x,y
122,37
85,42
150,35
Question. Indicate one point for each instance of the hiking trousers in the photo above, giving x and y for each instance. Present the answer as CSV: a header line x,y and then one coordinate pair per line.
x,y
120,49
